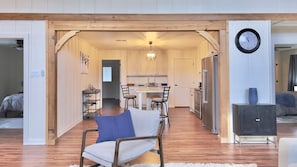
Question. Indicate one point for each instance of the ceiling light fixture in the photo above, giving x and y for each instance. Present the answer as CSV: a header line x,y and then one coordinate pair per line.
x,y
151,54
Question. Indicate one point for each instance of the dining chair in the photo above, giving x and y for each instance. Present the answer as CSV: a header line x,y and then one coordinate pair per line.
x,y
159,102
128,96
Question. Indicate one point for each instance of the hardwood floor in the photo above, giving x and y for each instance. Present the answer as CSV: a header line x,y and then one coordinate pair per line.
x,y
185,141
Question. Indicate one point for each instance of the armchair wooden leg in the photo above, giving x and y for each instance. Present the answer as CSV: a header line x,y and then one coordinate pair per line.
x,y
81,164
160,152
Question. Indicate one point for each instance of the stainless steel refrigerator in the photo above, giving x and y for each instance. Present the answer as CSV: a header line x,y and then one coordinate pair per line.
x,y
210,93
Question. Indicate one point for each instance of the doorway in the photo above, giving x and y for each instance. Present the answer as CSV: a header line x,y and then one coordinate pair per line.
x,y
184,80
121,26
110,83
12,63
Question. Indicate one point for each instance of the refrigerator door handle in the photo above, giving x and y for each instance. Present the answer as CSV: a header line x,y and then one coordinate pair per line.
x,y
204,86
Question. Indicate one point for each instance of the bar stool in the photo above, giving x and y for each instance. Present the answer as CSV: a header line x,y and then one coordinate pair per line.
x,y
128,96
156,102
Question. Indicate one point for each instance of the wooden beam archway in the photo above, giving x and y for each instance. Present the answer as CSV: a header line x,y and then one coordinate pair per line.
x,y
215,44
64,39
173,24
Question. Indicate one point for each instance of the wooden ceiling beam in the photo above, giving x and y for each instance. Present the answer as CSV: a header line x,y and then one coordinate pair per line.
x,y
138,25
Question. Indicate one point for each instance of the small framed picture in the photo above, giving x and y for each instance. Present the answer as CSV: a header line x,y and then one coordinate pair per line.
x,y
84,63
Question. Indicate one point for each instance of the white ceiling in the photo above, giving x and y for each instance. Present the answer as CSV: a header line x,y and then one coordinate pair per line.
x,y
284,26
140,40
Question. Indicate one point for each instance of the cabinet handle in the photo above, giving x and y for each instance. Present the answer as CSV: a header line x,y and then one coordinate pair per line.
x,y
258,119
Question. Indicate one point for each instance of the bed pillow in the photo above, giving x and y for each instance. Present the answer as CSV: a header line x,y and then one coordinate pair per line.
x,y
111,128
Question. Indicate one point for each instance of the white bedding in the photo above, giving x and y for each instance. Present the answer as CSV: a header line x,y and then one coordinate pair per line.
x,y
12,102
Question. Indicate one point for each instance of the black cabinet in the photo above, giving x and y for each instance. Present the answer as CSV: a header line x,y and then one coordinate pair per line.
x,y
254,120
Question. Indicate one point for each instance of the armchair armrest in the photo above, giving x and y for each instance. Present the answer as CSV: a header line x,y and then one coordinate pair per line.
x,y
83,143
120,140
158,136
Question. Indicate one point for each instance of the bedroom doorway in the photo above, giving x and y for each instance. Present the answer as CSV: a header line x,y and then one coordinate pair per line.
x,y
12,81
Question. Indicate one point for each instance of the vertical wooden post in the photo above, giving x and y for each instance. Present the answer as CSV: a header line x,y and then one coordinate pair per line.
x,y
224,95
51,82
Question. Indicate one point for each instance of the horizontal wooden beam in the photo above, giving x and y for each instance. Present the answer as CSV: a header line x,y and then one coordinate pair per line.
x,y
151,17
138,25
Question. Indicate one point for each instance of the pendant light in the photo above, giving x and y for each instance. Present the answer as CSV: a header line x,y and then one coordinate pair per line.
x,y
151,54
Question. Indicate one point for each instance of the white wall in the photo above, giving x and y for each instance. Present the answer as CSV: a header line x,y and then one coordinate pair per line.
x,y
11,71
34,35
251,70
71,81
145,6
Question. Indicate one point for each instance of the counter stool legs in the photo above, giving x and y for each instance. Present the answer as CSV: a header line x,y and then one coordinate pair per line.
x,y
127,102
163,112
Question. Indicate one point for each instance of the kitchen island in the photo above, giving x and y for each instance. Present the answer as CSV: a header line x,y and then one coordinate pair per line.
x,y
150,93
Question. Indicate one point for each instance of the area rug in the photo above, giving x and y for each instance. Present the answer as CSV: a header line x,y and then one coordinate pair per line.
x,y
11,123
286,119
187,165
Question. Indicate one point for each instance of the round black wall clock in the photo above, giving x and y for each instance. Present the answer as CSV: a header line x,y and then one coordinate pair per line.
x,y
247,40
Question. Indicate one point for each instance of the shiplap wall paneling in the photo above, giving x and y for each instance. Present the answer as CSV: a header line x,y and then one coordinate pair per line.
x,y
147,7
68,90
55,6
71,81
33,33
38,6
23,6
37,83
89,6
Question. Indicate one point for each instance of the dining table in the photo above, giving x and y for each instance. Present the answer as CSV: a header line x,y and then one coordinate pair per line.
x,y
154,91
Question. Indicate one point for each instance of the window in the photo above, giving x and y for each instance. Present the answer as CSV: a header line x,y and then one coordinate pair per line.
x,y
107,74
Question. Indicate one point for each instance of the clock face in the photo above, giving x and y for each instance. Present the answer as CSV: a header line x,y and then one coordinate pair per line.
x,y
247,40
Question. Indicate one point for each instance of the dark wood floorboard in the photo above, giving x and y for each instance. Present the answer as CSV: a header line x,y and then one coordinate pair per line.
x,y
185,141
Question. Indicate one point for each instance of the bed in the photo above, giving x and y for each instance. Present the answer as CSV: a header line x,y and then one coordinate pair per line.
x,y
11,103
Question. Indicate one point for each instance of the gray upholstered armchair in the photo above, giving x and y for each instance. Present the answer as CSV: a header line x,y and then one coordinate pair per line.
x,y
148,130
287,151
